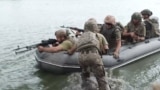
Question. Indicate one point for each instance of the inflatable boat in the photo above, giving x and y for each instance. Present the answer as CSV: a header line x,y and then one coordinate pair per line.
x,y
61,62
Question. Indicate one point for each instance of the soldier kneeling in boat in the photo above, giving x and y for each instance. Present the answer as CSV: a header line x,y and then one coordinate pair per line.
x,y
64,43
151,24
135,30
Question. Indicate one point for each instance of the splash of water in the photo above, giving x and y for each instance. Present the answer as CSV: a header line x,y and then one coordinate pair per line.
x,y
75,82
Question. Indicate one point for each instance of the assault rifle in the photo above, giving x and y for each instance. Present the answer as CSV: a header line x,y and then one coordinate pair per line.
x,y
78,29
73,28
30,47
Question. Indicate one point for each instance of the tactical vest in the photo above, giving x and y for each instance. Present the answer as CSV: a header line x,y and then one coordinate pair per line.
x,y
88,40
136,29
150,29
110,35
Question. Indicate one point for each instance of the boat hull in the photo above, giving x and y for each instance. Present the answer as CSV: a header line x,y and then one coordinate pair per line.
x,y
63,63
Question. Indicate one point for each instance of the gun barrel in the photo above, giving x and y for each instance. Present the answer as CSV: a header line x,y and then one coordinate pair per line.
x,y
77,29
30,47
73,28
18,48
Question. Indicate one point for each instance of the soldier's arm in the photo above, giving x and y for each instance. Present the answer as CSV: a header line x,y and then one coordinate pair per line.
x,y
72,50
143,34
50,49
61,47
125,32
105,43
118,44
117,50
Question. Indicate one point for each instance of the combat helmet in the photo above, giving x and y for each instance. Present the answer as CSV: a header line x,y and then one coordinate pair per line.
x,y
136,16
146,12
91,25
110,19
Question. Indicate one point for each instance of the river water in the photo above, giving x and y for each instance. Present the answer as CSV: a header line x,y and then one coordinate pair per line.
x,y
26,22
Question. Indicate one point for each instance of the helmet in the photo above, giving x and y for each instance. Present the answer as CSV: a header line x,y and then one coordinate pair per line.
x,y
146,12
110,19
91,25
60,33
136,16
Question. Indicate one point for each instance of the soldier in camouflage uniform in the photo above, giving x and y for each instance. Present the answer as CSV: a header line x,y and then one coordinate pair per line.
x,y
64,43
112,33
90,59
135,30
151,24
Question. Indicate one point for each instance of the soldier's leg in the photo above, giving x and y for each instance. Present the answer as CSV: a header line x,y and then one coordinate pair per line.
x,y
85,74
99,73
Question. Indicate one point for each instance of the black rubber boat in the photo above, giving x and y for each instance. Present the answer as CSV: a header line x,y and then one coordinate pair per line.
x,y
63,63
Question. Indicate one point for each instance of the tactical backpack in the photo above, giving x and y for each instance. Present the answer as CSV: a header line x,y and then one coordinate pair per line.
x,y
88,40
155,24
152,28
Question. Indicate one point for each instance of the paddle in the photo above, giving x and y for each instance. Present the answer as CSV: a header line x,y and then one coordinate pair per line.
x,y
30,47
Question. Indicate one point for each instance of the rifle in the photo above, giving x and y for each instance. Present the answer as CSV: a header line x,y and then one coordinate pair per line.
x,y
30,47
73,28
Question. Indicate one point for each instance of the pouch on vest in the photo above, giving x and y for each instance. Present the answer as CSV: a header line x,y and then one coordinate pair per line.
x,y
155,24
88,40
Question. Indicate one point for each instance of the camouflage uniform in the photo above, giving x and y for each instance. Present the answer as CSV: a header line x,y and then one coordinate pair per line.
x,y
138,30
90,61
151,28
155,24
150,24
103,43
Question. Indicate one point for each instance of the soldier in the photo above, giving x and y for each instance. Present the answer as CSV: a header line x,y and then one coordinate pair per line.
x,y
64,43
156,86
112,34
135,30
151,24
89,58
